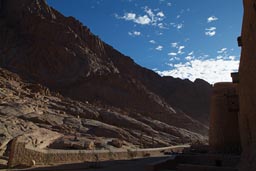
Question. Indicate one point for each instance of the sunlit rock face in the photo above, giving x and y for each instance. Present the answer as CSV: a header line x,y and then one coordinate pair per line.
x,y
247,87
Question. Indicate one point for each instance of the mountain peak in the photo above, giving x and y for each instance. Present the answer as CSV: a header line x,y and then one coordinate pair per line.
x,y
16,10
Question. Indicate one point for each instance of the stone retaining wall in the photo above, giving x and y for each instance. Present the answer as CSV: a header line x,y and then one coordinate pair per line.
x,y
22,154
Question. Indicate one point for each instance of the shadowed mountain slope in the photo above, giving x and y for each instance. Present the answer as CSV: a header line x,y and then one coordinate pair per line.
x,y
44,47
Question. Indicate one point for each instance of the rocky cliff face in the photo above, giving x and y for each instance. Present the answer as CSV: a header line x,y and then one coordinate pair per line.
x,y
42,46
64,55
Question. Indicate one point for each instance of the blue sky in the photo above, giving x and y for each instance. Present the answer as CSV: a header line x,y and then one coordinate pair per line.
x,y
181,38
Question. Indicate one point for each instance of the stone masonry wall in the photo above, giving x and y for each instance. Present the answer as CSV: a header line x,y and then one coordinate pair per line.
x,y
224,134
247,87
26,155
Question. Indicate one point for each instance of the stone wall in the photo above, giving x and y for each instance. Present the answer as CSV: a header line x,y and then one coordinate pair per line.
x,y
247,87
22,154
224,134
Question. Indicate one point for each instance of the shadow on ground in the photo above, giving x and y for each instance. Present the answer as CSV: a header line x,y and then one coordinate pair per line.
x,y
119,165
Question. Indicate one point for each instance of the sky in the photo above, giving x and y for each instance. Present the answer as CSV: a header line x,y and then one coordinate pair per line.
x,y
187,39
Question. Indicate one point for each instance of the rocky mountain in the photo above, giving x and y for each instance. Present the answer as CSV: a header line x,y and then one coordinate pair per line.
x,y
26,107
113,96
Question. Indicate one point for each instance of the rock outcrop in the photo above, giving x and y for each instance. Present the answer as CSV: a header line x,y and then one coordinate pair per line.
x,y
26,108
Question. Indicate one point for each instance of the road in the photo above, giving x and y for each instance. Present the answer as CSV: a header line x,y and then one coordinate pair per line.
x,y
119,165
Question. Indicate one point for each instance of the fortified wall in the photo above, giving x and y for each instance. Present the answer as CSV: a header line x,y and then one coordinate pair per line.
x,y
222,120
247,87
224,136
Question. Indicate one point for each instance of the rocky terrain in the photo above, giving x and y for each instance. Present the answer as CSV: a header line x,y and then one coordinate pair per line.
x,y
26,108
57,75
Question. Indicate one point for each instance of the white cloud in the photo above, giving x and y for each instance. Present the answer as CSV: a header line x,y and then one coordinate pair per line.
x,y
222,50
173,58
159,48
180,50
211,28
172,54
181,47
211,70
220,57
161,26
232,58
210,31
149,17
169,4
134,33
211,19
142,20
129,16
152,41
137,33
155,18
191,53
179,26
160,14
189,58
150,12
174,44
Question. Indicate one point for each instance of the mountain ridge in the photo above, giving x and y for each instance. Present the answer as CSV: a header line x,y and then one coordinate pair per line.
x,y
43,46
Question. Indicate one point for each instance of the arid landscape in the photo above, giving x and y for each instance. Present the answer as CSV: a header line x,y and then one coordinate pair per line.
x,y
68,97
60,79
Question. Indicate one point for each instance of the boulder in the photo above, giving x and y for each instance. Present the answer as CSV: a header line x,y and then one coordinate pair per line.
x,y
116,143
72,142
